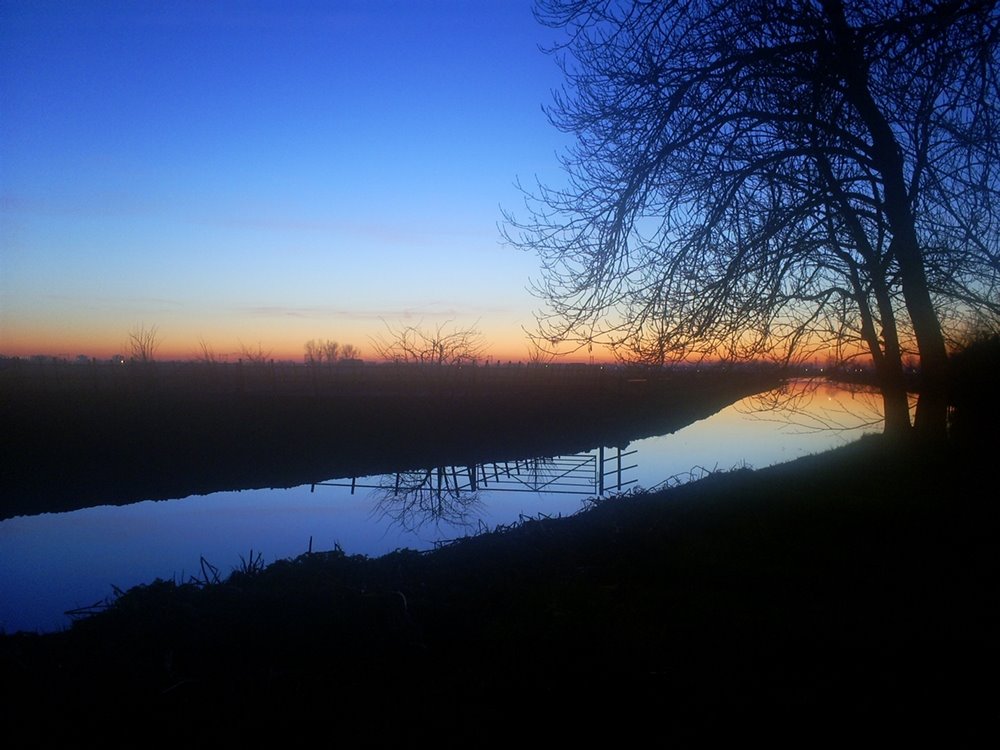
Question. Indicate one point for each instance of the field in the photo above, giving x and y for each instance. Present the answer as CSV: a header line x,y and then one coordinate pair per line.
x,y
76,435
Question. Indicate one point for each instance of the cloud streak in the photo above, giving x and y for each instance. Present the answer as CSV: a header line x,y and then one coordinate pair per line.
x,y
317,312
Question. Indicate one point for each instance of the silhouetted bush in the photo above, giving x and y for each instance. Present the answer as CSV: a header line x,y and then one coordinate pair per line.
x,y
975,412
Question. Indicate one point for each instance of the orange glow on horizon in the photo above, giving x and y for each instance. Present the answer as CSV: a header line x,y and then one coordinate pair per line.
x,y
187,340
284,351
172,348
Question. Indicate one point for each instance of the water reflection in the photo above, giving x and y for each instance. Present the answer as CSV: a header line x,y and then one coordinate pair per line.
x,y
51,563
411,499
804,406
451,494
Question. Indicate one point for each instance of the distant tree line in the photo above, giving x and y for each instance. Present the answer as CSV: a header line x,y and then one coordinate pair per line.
x,y
326,351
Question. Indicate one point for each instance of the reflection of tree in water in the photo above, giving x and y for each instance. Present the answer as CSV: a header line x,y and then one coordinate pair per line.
x,y
815,404
412,499
450,494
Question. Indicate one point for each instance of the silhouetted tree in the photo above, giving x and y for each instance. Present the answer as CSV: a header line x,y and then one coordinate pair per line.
x,y
542,353
319,351
314,352
254,356
773,178
444,345
143,342
207,354
350,351
331,351
975,364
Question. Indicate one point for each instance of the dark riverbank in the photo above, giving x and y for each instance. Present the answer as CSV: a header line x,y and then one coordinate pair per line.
x,y
846,590
80,435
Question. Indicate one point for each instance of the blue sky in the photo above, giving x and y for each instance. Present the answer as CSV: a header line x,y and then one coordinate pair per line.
x,y
266,173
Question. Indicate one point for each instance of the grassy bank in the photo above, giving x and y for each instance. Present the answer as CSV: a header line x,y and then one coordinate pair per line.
x,y
855,586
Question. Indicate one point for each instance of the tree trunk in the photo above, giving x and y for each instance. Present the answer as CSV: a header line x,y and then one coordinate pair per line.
x,y
932,410
894,391
888,363
932,405
885,351
896,407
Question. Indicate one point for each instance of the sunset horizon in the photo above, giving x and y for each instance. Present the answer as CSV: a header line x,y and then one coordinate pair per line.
x,y
253,175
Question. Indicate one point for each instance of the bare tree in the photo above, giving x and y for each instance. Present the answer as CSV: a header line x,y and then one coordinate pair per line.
x,y
314,352
331,351
446,344
539,356
350,351
319,351
255,356
773,178
207,353
143,342
541,353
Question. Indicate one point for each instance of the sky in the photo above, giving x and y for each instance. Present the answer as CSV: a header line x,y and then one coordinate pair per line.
x,y
259,174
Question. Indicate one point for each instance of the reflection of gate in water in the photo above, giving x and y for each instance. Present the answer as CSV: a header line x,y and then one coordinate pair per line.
x,y
595,472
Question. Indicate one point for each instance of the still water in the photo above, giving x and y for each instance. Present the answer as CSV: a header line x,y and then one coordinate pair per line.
x,y
55,562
